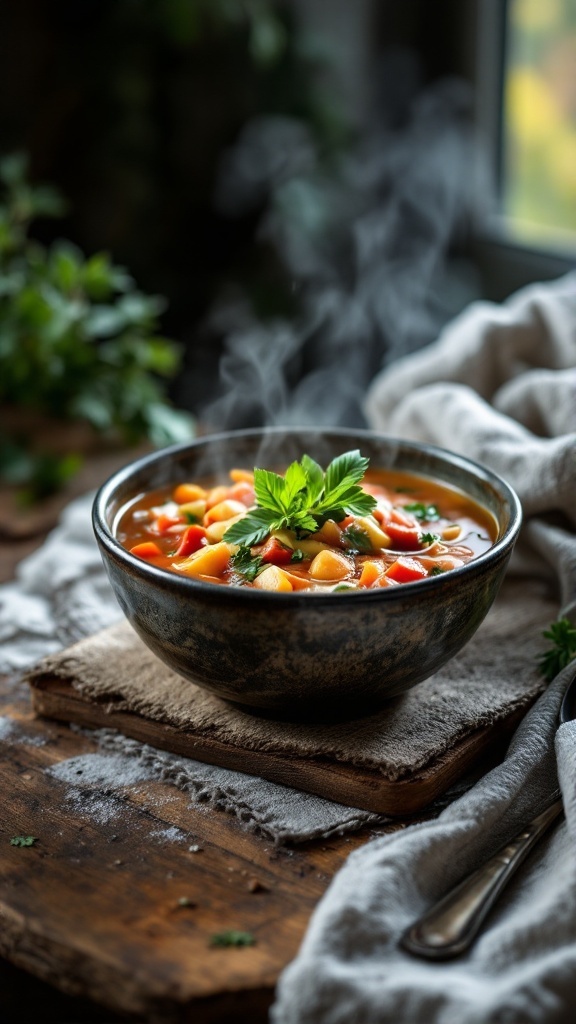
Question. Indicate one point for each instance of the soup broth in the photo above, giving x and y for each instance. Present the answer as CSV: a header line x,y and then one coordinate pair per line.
x,y
415,528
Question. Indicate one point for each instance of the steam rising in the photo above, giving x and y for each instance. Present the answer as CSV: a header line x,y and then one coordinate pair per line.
x,y
369,246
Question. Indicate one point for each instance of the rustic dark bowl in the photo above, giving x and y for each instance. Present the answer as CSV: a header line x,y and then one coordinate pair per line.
x,y
304,655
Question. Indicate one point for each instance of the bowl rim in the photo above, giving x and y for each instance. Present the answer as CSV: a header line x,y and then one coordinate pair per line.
x,y
166,577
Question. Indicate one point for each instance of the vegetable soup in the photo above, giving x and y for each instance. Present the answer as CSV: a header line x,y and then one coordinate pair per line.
x,y
349,528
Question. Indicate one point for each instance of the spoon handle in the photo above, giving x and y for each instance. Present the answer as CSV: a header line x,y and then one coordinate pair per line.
x,y
449,928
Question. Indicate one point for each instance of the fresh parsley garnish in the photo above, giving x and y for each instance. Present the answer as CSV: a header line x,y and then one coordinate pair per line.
x,y
23,840
304,498
563,636
356,539
191,518
232,938
428,538
297,555
436,570
247,565
424,513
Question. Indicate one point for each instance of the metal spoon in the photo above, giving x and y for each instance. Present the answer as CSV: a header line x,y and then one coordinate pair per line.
x,y
450,927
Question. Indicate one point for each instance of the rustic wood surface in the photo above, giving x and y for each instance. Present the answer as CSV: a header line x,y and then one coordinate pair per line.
x,y
346,784
97,908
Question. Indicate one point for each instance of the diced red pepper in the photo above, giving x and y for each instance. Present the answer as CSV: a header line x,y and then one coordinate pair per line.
x,y
406,538
406,570
403,518
147,549
193,538
275,552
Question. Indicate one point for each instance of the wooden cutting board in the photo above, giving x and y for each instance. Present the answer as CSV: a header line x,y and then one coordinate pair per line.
x,y
345,784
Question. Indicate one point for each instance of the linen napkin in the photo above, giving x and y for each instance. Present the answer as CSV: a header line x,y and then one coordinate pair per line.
x,y
499,386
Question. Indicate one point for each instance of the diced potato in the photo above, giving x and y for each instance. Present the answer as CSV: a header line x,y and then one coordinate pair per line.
x,y
330,565
378,538
212,560
188,492
311,547
216,495
216,531
241,476
451,532
224,510
287,538
195,508
371,571
330,533
272,578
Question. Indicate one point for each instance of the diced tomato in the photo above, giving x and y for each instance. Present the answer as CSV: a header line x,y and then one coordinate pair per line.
x,y
397,515
275,552
193,539
147,549
406,570
162,523
243,491
407,538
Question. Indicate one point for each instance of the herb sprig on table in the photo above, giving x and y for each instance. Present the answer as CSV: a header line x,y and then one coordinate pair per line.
x,y
563,650
304,498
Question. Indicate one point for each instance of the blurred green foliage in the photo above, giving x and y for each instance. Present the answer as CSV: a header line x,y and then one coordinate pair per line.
x,y
78,341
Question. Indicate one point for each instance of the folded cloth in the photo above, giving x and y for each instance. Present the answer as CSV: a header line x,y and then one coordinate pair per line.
x,y
499,386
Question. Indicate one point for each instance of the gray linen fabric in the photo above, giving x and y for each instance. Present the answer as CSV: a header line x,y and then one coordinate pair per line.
x,y
499,386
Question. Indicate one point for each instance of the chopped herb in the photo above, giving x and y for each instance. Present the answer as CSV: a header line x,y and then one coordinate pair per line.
x,y
429,538
356,539
436,570
297,555
343,586
23,841
563,636
424,513
304,498
232,938
247,565
191,518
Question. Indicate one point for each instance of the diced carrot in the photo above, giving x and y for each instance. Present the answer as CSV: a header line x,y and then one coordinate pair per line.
x,y
187,492
272,578
406,570
194,537
275,552
147,549
163,523
371,571
406,538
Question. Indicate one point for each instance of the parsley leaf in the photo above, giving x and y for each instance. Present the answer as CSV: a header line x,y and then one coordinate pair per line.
x,y
356,539
424,513
23,840
232,938
436,570
246,564
563,635
428,538
304,498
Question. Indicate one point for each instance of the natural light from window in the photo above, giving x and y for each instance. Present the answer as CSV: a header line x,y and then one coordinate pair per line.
x,y
539,127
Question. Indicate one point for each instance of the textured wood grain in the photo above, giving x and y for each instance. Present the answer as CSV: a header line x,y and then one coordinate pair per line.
x,y
94,906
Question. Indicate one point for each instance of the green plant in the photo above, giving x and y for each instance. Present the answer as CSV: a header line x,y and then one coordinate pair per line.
x,y
78,341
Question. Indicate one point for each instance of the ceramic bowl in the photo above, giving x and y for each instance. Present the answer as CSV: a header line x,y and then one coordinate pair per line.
x,y
304,655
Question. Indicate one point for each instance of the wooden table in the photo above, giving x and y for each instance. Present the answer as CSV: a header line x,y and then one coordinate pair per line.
x,y
123,923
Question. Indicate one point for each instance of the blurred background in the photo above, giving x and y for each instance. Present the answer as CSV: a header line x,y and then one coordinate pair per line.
x,y
226,213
